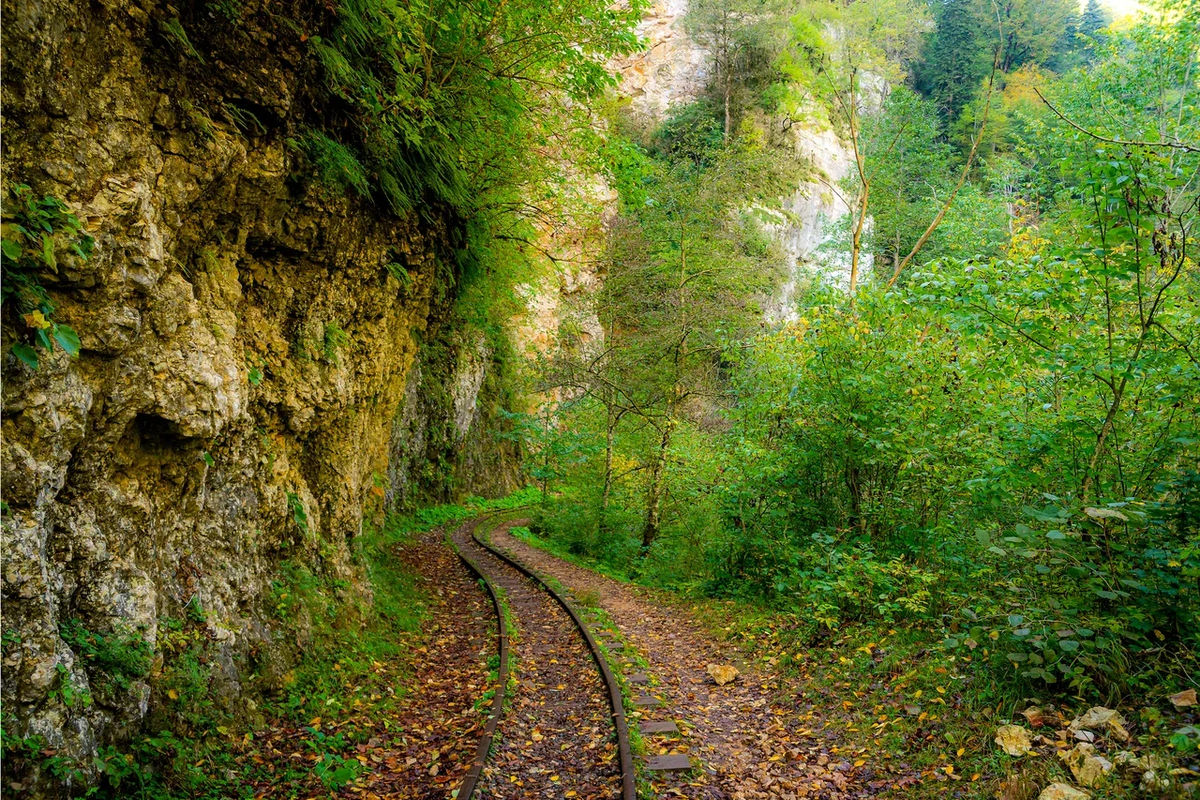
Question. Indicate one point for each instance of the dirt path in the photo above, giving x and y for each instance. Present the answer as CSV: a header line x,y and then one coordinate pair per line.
x,y
556,739
749,744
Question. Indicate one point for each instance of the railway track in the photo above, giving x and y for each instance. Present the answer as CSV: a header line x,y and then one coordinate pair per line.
x,y
562,730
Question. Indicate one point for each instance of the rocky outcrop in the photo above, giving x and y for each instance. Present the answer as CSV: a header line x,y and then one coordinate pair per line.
x,y
672,69
248,390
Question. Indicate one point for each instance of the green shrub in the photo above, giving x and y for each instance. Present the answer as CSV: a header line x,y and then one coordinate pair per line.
x,y
36,233
120,656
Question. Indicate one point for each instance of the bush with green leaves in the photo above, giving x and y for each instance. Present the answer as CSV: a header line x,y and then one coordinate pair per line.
x,y
37,232
118,656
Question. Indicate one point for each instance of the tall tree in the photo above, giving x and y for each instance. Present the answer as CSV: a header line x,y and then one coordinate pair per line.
x,y
952,62
741,37
840,61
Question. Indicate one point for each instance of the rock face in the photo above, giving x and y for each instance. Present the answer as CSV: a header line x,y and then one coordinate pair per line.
x,y
673,69
252,374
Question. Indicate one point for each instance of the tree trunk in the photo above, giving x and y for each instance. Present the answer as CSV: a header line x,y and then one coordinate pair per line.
x,y
728,92
654,492
609,424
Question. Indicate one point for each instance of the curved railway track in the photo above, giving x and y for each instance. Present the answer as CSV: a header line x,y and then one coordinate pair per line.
x,y
567,704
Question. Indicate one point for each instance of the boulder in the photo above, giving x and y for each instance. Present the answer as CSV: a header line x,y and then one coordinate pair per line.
x,y
1063,791
1087,767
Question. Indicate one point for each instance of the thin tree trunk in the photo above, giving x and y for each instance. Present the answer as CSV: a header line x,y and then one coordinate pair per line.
x,y
654,492
609,424
851,108
728,92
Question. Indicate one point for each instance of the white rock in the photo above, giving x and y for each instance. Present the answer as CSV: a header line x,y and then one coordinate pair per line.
x,y
1013,739
1062,791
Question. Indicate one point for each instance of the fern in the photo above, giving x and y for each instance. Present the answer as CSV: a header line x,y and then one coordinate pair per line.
x,y
175,29
336,165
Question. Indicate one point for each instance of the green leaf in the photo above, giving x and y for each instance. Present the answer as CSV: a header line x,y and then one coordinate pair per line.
x,y
26,354
10,249
48,251
67,338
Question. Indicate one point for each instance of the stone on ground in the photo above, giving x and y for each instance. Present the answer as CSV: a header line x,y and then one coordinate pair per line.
x,y
1013,739
1062,791
722,673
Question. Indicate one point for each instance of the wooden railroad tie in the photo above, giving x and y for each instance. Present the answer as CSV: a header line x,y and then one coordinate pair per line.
x,y
671,763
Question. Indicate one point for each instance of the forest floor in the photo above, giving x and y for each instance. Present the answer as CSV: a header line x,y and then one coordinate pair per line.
x,y
413,744
747,738
864,713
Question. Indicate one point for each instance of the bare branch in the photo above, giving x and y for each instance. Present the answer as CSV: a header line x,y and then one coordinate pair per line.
x,y
1175,145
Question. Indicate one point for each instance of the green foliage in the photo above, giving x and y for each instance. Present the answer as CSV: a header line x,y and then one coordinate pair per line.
x,y
67,692
174,28
231,10
335,340
335,164
37,232
448,101
691,133
120,656
299,514
334,769
997,453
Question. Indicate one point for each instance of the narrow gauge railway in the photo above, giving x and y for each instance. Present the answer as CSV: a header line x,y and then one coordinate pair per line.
x,y
559,729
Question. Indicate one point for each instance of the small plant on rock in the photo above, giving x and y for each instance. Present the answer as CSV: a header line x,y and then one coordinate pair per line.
x,y
35,232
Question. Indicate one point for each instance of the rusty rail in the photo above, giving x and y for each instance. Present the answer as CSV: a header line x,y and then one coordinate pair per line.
x,y
628,774
467,788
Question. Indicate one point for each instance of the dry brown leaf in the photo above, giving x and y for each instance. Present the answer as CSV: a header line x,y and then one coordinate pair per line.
x,y
1184,699
722,673
1013,739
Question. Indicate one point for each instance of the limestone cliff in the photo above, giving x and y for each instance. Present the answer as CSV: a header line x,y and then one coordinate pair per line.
x,y
264,362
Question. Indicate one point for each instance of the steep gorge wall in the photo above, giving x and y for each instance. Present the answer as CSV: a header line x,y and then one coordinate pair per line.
x,y
254,382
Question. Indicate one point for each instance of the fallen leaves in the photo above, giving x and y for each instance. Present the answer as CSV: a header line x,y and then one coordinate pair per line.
x,y
1062,791
1088,768
1184,699
1100,718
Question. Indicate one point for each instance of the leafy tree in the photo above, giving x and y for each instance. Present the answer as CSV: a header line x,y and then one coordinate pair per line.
x,y
953,62
741,38
1091,25
911,168
1031,30
456,99
840,60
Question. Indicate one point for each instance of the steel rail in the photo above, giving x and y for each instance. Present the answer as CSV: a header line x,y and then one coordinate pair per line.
x,y
467,788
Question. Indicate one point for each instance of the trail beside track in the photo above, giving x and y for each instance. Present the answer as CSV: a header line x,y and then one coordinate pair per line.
x,y
746,740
